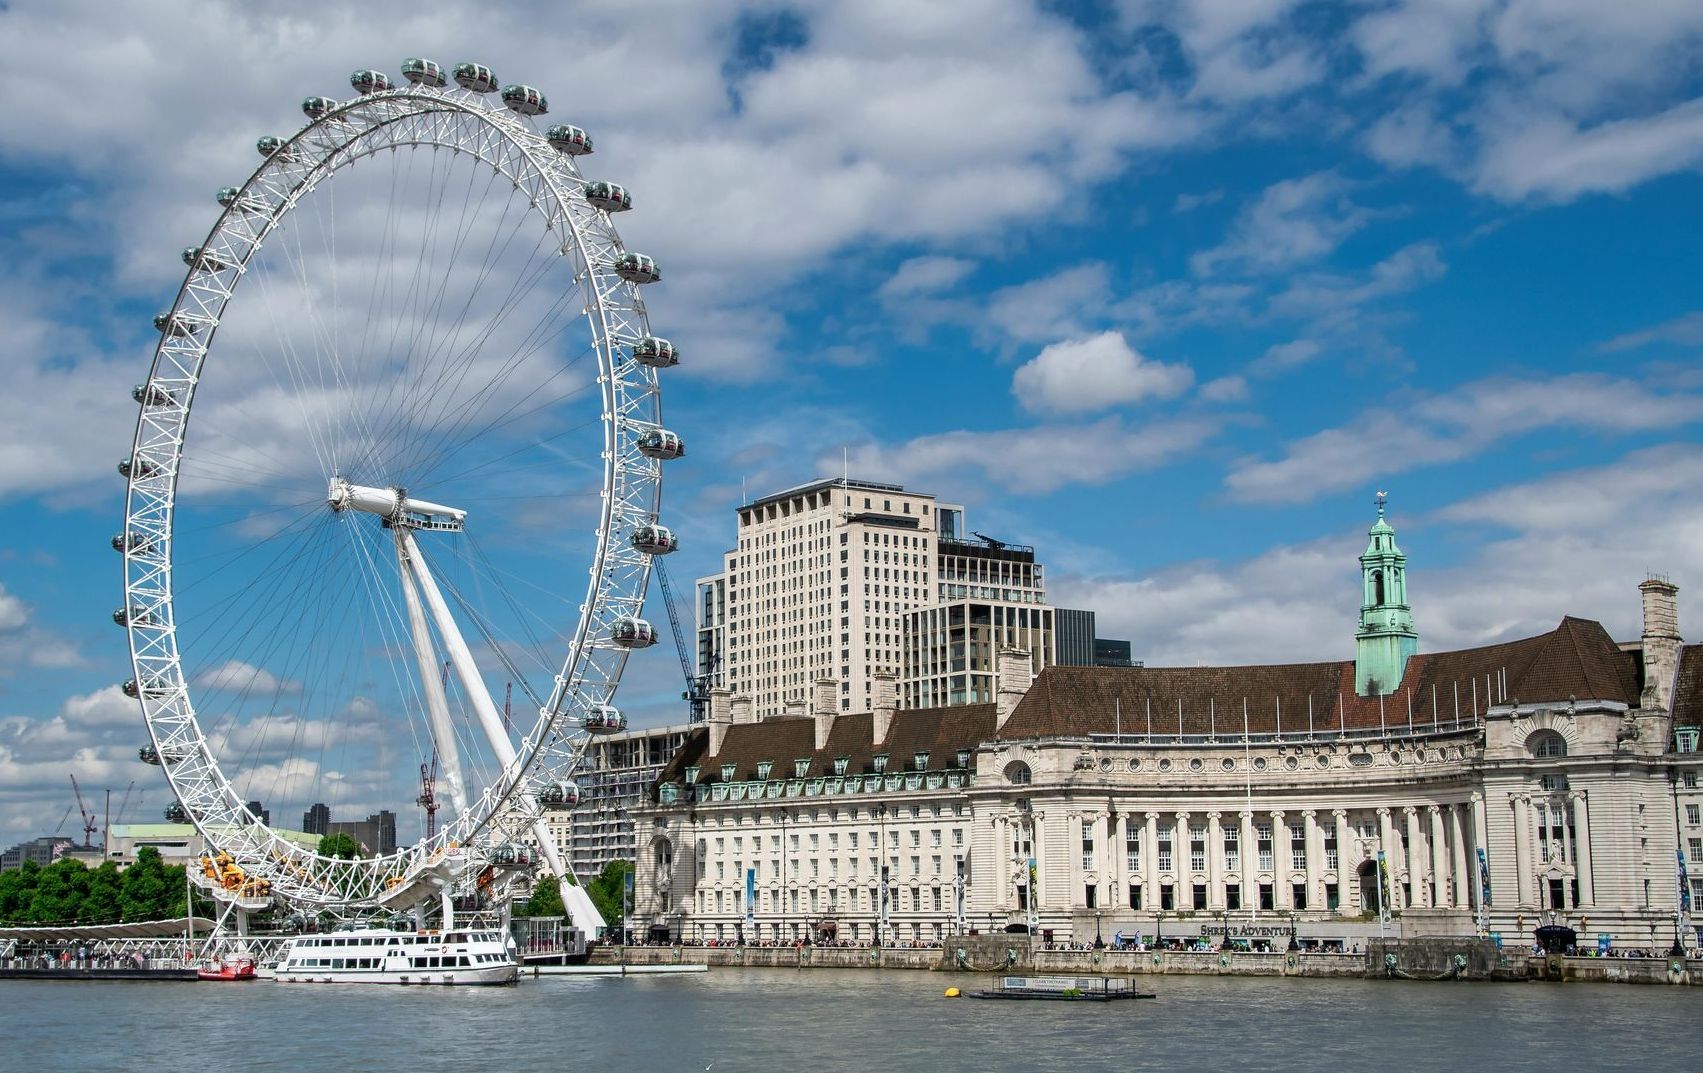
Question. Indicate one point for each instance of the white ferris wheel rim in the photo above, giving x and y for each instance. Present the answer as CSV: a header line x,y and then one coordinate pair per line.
x,y
415,116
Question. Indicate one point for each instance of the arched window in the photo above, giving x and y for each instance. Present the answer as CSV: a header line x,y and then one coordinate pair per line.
x,y
1547,744
1017,773
1377,586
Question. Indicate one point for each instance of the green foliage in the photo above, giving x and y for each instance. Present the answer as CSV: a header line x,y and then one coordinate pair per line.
x,y
546,900
68,892
608,890
340,845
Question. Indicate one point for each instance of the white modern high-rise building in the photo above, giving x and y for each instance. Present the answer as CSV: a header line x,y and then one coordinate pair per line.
x,y
817,587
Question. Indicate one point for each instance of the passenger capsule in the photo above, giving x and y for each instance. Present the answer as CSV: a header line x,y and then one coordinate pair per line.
x,y
475,77
134,616
657,353
149,755
139,468
559,795
632,633
133,691
232,198
655,540
423,73
570,140
176,325
175,813
660,443
636,268
610,197
270,146
152,395
138,544
511,855
605,719
318,107
202,258
525,100
369,81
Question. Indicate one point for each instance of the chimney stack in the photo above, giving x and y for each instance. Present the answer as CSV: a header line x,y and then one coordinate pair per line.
x,y
1661,642
1013,672
742,710
827,699
885,704
794,708
721,717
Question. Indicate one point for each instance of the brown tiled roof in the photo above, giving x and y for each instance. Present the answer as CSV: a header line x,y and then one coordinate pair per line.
x,y
941,732
1688,689
1575,660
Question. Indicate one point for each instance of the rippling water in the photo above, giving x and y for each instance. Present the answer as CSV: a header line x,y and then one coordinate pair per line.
x,y
759,1020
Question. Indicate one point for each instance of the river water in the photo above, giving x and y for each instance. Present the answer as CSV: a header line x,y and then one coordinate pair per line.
x,y
761,1020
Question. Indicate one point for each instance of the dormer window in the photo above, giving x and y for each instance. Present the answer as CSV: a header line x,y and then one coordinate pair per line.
x,y
800,768
840,763
692,773
964,758
727,772
1685,740
880,763
920,760
764,767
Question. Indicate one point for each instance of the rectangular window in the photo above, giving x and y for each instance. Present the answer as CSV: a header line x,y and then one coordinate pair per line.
x,y
1267,896
1087,845
1232,896
1200,895
1091,896
1298,857
1197,849
1263,835
1135,895
1333,897
1299,896
1691,815
1232,849
1167,896
1165,834
1132,850
1330,850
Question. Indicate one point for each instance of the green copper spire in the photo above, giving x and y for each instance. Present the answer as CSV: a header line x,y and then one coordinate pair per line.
x,y
1386,638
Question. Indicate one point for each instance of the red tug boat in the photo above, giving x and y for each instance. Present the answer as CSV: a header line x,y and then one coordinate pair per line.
x,y
233,968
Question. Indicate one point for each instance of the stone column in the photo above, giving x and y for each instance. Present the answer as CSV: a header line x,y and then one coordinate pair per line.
x,y
1003,898
1439,859
1523,865
1384,880
1250,862
1347,893
1118,823
1313,845
1282,850
1582,821
1463,898
1150,862
1180,859
1415,860
1214,862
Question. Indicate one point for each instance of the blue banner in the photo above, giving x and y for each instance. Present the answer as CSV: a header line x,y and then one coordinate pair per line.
x,y
1484,875
750,894
1684,884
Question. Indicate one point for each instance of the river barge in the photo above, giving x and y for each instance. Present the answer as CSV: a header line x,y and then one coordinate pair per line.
x,y
1065,989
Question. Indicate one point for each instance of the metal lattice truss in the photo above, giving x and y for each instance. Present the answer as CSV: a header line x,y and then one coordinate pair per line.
x,y
463,122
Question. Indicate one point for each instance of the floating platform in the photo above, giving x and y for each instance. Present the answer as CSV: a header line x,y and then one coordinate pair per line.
x,y
73,973
612,970
1064,989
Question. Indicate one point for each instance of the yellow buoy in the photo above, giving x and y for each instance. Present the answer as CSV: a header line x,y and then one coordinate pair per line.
x,y
953,992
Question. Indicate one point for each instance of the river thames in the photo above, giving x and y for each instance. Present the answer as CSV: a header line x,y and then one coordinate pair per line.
x,y
757,1021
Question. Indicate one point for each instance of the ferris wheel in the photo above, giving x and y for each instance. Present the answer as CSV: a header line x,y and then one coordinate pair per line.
x,y
437,387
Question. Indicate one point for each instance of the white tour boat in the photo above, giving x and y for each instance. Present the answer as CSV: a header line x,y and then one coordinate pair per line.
x,y
373,956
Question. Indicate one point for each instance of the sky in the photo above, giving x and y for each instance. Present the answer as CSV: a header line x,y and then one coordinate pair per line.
x,y
1165,288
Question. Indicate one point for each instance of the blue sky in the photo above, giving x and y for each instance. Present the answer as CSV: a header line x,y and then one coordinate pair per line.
x,y
1167,289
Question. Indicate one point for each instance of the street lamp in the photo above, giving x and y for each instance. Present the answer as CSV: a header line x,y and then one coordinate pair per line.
x,y
1294,943
1099,943
1678,948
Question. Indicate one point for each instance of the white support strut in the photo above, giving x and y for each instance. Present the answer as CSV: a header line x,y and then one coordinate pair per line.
x,y
437,705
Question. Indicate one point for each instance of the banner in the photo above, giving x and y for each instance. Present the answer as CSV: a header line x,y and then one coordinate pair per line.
x,y
1684,884
1383,888
1484,876
750,894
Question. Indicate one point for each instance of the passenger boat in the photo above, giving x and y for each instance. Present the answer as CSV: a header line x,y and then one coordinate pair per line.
x,y
1064,989
235,967
374,956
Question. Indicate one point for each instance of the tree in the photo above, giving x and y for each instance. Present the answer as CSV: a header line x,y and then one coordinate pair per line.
x,y
104,901
341,845
17,887
546,900
59,892
149,893
608,891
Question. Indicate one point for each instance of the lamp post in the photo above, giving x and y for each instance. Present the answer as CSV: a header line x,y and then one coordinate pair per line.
x,y
1099,943
881,874
1294,942
1678,948
786,873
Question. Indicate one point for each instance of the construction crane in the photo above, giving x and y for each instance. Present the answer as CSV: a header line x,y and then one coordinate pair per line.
x,y
428,798
89,824
697,694
124,803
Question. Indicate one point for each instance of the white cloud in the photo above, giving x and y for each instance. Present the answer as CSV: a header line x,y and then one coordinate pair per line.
x,y
926,275
1095,373
1553,157
1065,303
1453,425
26,643
1225,389
239,677
1685,330
1282,357
1033,460
1293,222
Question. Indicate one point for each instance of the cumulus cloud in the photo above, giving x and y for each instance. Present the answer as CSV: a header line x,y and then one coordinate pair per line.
x,y
240,677
1095,373
1292,222
926,275
1225,389
1685,330
1453,425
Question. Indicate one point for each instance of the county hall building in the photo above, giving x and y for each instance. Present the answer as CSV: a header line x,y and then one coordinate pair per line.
x,y
1488,790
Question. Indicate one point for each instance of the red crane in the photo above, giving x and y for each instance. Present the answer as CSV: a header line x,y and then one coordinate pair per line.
x,y
89,824
428,798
